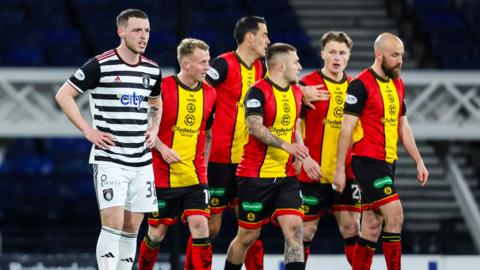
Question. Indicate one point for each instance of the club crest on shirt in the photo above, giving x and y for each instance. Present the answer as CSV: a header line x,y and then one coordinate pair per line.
x,y
108,194
146,80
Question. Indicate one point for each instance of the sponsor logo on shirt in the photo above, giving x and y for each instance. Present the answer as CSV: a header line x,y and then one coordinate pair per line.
x,y
134,99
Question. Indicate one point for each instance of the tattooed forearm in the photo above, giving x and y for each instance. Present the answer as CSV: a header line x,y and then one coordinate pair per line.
x,y
153,116
293,246
259,131
208,143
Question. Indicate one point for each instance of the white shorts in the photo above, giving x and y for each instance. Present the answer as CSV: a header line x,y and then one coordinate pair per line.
x,y
133,189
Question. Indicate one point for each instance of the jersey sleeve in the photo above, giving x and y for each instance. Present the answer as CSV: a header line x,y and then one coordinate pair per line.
x,y
217,72
87,77
356,97
157,89
303,111
404,109
210,118
254,102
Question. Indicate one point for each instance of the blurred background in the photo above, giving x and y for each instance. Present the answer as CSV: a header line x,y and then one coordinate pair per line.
x,y
47,201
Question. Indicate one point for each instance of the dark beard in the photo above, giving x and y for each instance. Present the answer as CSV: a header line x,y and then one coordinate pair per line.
x,y
390,72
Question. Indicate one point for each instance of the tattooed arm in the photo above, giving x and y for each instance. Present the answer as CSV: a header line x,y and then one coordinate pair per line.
x,y
208,143
154,115
261,132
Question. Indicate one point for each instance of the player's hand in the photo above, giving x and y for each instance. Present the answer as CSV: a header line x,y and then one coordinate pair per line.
x,y
312,93
152,133
422,173
339,180
168,154
100,139
312,168
299,151
324,95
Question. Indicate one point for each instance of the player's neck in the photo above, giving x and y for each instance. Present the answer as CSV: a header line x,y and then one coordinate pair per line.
x,y
127,55
378,69
247,55
333,76
187,80
279,79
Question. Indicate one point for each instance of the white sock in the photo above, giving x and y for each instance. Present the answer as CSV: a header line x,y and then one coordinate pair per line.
x,y
128,248
108,248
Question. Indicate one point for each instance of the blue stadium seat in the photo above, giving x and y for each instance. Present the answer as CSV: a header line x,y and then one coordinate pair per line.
x,y
34,165
424,5
435,20
25,56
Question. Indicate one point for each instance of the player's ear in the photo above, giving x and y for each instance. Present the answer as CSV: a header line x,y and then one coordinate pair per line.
x,y
184,64
282,65
249,36
378,55
121,32
322,54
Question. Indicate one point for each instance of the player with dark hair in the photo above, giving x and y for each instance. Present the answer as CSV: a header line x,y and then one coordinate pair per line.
x,y
232,74
122,81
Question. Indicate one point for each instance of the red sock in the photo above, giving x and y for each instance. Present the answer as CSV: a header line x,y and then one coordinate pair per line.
x,y
392,250
254,257
148,253
306,250
349,247
363,255
201,254
188,255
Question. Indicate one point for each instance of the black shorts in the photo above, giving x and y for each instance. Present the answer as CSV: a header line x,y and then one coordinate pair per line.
x,y
319,198
264,199
187,201
376,180
222,186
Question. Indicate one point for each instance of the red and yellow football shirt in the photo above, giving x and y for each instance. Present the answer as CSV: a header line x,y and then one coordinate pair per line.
x,y
322,125
231,78
280,108
379,104
184,118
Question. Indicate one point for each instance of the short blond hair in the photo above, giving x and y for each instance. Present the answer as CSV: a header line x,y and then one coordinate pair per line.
x,y
188,45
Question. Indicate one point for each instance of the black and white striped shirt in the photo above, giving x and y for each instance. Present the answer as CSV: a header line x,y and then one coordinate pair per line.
x,y
118,103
